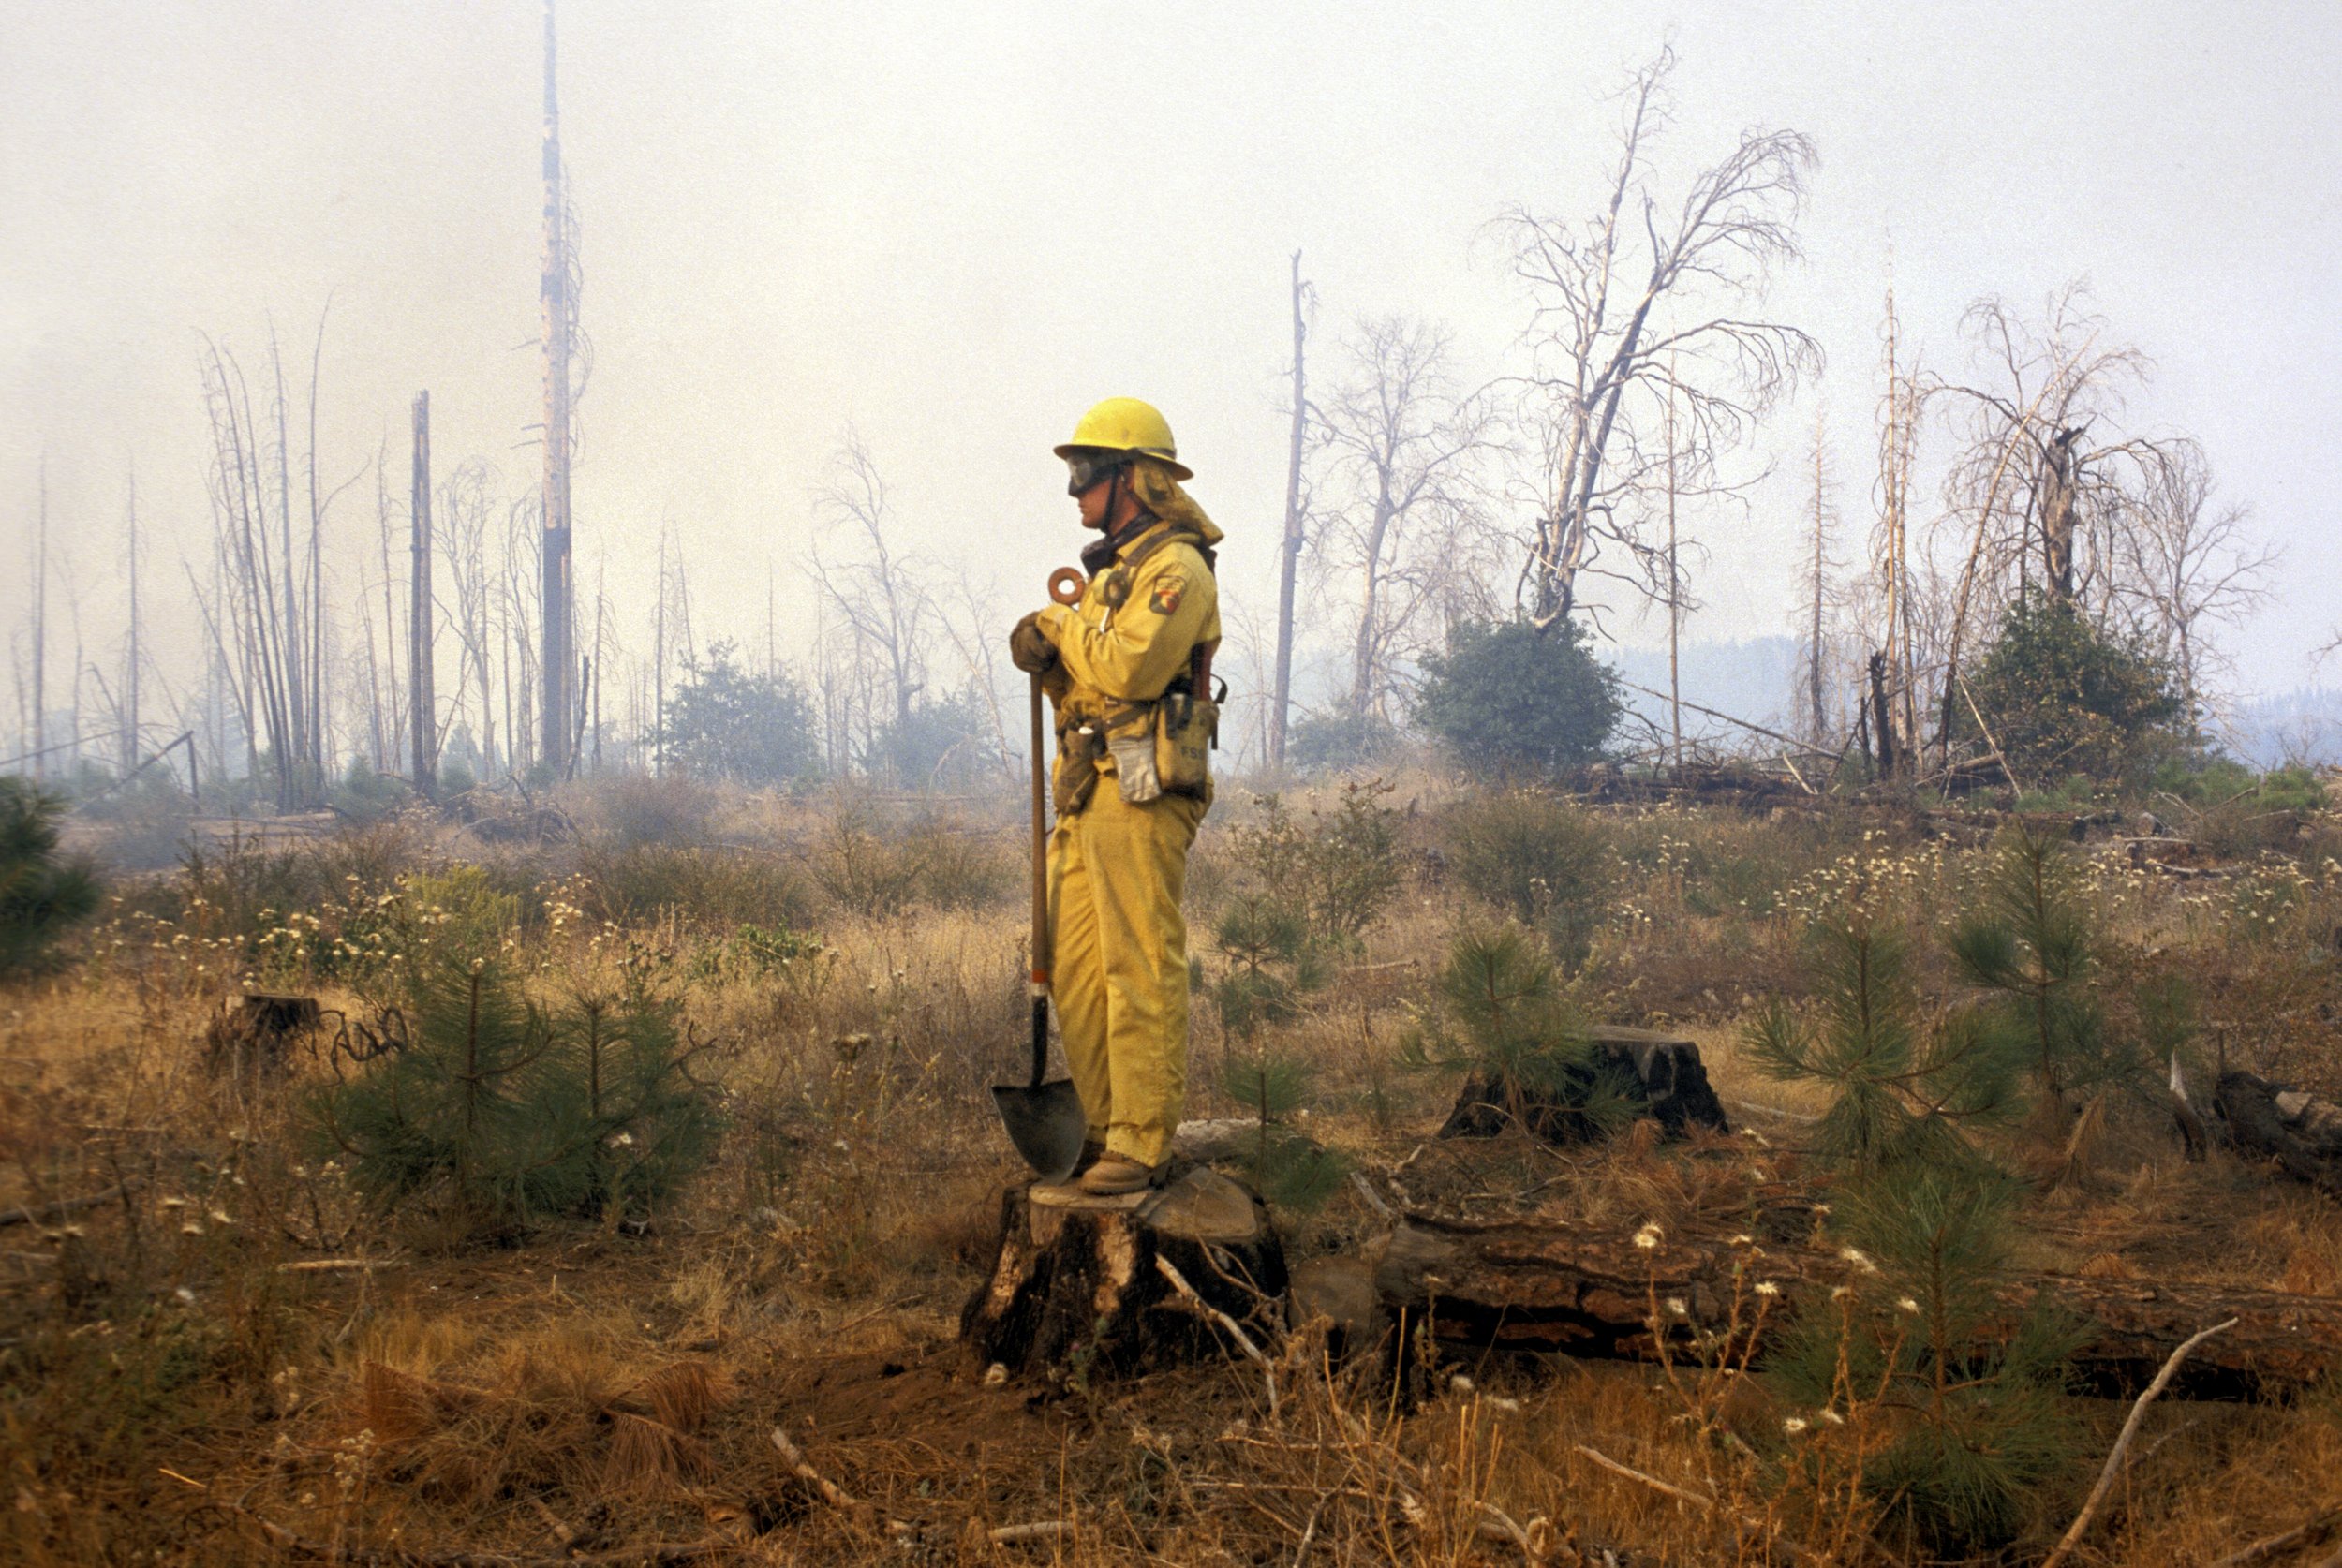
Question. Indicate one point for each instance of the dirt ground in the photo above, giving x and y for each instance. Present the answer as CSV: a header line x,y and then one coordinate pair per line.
x,y
234,1359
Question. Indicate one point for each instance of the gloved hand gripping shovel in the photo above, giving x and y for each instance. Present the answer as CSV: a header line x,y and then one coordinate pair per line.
x,y
1046,1121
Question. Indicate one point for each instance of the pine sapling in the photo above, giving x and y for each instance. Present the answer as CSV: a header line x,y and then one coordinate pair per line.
x,y
2032,946
1902,1091
1504,1014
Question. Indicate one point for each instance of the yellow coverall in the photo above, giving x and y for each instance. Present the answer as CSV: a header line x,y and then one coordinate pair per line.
x,y
1117,871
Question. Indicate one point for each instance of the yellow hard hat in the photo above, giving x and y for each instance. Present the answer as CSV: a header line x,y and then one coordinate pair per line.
x,y
1127,424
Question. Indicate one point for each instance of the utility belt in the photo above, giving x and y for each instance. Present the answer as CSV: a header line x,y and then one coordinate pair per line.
x,y
1157,747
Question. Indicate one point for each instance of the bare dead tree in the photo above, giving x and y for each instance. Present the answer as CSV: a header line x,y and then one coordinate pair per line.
x,y
1403,448
465,500
1601,368
272,590
1892,664
885,604
39,737
2046,475
422,708
1297,523
2185,565
131,661
1817,592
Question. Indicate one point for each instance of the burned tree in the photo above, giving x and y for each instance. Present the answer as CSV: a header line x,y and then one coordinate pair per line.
x,y
1603,363
1402,446
1295,534
2044,484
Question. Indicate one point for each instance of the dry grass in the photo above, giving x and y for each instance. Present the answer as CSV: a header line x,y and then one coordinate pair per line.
x,y
594,1387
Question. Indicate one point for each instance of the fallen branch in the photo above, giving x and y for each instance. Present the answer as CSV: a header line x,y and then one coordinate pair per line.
x,y
2130,1428
2305,1533
43,1213
339,1266
1235,1331
1044,1529
1630,1472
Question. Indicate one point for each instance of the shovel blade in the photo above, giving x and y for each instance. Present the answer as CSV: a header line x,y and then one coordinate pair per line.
x,y
1046,1124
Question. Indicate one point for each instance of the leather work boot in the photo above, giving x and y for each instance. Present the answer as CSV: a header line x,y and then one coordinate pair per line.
x,y
1115,1174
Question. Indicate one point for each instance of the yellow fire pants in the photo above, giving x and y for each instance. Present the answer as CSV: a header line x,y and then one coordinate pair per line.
x,y
1117,873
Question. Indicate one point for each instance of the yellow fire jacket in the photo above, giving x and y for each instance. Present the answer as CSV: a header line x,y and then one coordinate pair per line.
x,y
1134,631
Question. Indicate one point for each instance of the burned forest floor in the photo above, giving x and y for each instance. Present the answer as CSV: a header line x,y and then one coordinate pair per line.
x,y
231,1331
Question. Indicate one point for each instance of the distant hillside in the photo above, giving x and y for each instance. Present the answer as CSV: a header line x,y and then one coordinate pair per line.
x,y
2300,726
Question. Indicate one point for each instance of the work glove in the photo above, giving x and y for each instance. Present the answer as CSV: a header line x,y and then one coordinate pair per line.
x,y
1030,649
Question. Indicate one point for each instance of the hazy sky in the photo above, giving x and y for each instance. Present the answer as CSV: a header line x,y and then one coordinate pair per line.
x,y
953,227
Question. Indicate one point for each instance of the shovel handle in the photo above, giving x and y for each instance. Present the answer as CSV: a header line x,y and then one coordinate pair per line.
x,y
1042,955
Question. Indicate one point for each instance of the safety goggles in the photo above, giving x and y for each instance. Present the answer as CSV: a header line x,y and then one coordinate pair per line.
x,y
1089,468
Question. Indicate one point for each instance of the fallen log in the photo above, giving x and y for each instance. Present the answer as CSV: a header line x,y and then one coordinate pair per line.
x,y
1077,1281
2299,1131
1588,1291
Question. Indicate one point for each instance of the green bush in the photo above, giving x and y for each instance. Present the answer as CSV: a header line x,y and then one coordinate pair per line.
x,y
43,893
497,1112
1957,1407
1903,1092
1538,858
1519,701
725,721
2065,697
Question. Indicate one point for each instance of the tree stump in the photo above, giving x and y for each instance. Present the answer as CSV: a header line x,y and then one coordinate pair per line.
x,y
1076,1281
1663,1070
254,1037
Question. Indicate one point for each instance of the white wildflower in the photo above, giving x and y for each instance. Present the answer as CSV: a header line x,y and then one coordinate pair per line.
x,y
1648,1237
1767,1288
1907,1305
1794,1425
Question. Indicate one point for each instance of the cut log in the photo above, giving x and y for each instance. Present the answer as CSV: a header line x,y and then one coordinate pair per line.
x,y
255,1035
1075,1283
1663,1070
2299,1131
1587,1290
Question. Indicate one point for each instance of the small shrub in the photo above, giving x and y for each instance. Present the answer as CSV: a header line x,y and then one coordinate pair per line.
x,y
43,893
632,810
498,1112
1955,1409
1338,743
1272,964
705,887
1291,1171
1502,1015
1535,857
2033,944
1903,1092
1339,871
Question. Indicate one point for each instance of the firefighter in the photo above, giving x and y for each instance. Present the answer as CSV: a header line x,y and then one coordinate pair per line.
x,y
1128,670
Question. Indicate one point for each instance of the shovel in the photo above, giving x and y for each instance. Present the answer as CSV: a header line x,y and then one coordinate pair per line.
x,y
1046,1121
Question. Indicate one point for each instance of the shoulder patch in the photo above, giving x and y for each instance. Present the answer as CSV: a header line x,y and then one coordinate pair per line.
x,y
1163,600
